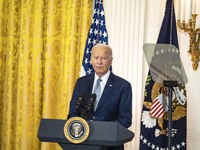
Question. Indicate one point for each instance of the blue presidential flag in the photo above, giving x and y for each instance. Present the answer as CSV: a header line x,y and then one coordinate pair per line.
x,y
154,117
97,34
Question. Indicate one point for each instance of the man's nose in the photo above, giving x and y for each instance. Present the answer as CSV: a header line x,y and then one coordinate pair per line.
x,y
99,60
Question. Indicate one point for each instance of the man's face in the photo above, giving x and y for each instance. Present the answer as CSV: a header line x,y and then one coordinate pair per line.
x,y
101,60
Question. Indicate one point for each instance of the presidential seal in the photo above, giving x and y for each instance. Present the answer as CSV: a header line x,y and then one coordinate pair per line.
x,y
76,130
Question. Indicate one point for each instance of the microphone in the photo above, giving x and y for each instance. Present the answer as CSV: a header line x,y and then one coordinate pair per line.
x,y
79,101
90,104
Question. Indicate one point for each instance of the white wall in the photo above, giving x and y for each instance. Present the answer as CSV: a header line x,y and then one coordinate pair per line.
x,y
130,24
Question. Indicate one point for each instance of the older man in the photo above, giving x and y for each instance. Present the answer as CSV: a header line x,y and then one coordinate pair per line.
x,y
114,94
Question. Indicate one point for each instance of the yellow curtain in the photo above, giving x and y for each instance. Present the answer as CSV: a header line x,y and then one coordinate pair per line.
x,y
41,49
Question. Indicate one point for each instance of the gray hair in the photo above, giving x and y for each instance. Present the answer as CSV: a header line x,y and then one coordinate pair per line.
x,y
103,46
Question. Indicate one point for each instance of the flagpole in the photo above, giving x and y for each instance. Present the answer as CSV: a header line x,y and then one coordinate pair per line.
x,y
170,85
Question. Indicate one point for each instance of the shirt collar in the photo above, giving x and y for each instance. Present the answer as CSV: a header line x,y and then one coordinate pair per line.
x,y
104,78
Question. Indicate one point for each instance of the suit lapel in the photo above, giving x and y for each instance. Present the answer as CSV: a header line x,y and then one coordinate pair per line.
x,y
90,85
88,88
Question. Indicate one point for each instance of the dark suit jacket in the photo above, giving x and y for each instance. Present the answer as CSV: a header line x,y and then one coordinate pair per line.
x,y
115,103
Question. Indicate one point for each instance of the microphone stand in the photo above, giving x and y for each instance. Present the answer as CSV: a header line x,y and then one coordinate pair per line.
x,y
170,85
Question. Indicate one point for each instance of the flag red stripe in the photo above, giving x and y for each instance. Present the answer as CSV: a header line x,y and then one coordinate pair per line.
x,y
157,109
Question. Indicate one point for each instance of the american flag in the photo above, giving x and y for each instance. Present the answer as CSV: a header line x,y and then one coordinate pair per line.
x,y
97,34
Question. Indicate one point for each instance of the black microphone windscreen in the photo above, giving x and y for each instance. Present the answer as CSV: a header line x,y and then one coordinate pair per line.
x,y
81,95
93,96
79,101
